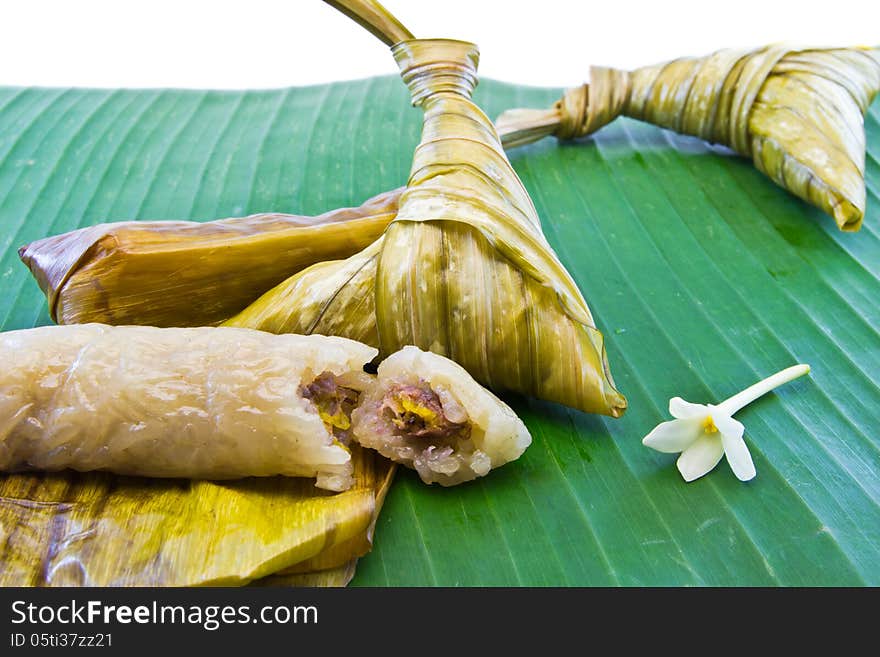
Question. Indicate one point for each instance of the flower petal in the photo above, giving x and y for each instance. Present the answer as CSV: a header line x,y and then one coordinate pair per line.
x,y
726,424
701,457
738,456
683,410
673,436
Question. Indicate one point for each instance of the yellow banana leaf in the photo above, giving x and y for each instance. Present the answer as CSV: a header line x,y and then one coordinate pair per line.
x,y
148,272
798,113
101,530
335,577
464,270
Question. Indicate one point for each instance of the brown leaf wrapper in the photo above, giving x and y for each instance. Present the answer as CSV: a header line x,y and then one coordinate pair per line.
x,y
185,273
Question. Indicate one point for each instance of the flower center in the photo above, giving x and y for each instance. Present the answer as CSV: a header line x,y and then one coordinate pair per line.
x,y
709,425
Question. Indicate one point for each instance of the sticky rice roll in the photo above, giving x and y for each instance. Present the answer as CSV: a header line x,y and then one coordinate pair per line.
x,y
428,413
201,403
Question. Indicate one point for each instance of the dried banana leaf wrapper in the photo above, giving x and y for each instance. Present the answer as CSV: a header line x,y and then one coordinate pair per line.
x,y
464,270
798,113
336,577
338,560
95,529
149,272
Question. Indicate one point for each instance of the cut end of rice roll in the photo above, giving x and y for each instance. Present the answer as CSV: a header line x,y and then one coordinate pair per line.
x,y
426,412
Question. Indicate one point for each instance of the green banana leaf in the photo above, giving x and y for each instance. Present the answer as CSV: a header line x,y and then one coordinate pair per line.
x,y
703,275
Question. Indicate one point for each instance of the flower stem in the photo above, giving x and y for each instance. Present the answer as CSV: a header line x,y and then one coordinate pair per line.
x,y
750,394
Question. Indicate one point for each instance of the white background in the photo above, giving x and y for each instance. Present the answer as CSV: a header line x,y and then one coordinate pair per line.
x,y
276,43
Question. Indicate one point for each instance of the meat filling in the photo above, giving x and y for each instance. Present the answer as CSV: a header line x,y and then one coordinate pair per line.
x,y
334,403
417,411
422,426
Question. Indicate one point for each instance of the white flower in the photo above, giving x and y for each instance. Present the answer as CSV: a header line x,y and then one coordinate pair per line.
x,y
705,433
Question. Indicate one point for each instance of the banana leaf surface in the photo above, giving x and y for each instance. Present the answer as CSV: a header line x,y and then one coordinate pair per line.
x,y
702,274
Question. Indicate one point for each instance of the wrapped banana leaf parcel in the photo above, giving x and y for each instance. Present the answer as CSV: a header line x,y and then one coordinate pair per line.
x,y
463,269
797,112
215,404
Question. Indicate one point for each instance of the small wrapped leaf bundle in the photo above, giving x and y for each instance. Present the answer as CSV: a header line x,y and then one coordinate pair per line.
x,y
464,270
185,273
798,113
